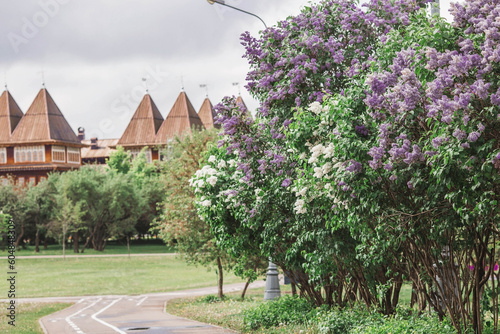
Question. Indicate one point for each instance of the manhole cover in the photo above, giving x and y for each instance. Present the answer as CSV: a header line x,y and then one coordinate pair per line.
x,y
138,329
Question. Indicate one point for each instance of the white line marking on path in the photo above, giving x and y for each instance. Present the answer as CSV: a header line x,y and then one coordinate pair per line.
x,y
94,316
72,324
142,300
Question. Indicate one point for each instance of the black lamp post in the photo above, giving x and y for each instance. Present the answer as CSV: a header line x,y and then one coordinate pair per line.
x,y
223,3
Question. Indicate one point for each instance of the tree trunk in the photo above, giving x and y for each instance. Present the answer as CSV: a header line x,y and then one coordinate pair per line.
x,y
19,237
86,244
221,279
294,289
395,295
37,241
76,245
245,289
45,243
128,246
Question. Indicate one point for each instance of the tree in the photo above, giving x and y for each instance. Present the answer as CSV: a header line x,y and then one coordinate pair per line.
x,y
110,203
321,51
408,160
147,181
180,222
120,160
66,212
38,201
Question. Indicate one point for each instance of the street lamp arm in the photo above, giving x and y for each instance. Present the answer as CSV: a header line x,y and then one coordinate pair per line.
x,y
238,9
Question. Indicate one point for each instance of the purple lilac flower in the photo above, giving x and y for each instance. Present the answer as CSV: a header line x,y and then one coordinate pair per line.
x,y
438,141
473,136
410,185
361,129
459,134
286,183
354,167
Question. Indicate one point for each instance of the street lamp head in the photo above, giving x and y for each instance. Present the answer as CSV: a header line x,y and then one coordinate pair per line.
x,y
216,1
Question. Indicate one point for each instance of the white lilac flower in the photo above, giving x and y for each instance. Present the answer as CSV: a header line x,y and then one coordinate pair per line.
x,y
312,160
232,163
317,149
329,151
212,180
206,203
302,191
315,107
318,172
222,164
211,159
327,168
299,206
302,156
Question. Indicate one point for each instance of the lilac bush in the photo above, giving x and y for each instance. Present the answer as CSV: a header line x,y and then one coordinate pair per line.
x,y
422,179
374,156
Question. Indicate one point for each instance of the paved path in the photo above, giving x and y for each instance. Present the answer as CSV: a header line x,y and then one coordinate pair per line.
x,y
128,314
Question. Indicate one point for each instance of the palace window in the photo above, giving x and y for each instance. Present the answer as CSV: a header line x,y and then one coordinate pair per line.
x,y
135,152
74,155
21,181
58,154
32,180
3,155
29,154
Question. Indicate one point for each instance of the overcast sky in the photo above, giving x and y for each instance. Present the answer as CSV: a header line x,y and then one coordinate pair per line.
x,y
94,53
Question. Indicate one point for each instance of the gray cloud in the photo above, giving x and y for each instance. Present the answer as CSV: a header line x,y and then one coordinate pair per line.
x,y
94,53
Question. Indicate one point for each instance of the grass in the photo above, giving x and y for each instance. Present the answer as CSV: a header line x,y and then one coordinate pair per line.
x,y
228,313
27,315
101,276
112,248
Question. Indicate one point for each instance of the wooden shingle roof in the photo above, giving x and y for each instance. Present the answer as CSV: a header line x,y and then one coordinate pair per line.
x,y
207,114
103,148
239,101
144,124
181,119
44,123
10,115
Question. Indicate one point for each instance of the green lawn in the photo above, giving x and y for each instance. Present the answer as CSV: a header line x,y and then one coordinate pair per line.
x,y
99,276
229,313
27,316
113,248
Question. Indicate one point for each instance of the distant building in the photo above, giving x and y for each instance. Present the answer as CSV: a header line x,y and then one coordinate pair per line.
x,y
207,114
142,129
147,128
97,151
36,143
181,119
41,141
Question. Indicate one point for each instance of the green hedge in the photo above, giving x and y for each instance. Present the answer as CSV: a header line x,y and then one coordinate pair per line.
x,y
358,320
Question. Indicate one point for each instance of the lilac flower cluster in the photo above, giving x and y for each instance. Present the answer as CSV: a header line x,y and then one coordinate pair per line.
x,y
464,85
335,38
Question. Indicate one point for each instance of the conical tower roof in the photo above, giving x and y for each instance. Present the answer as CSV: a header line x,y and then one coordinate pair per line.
x,y
44,122
10,115
144,124
182,118
239,101
207,114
